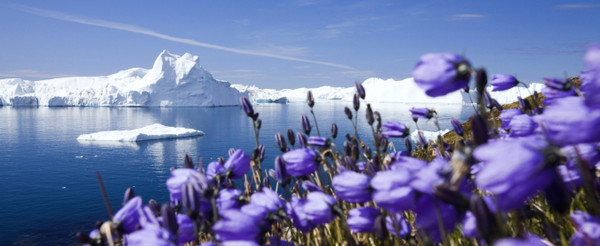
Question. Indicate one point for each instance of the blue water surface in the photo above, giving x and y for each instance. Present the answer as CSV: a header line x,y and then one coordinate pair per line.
x,y
49,189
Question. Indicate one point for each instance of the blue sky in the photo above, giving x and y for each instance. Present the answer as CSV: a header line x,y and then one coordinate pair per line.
x,y
296,43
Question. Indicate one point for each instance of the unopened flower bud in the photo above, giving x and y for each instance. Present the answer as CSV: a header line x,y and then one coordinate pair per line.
x,y
169,219
280,142
480,80
301,139
306,125
355,102
369,114
310,100
360,90
291,137
187,162
247,106
348,113
128,195
334,130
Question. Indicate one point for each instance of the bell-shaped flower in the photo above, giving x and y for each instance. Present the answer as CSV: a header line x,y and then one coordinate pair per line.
x,y
318,141
513,170
295,209
395,129
352,187
301,161
228,199
237,164
182,176
392,190
507,115
428,209
587,229
440,74
397,225
522,125
267,198
129,215
552,95
150,236
469,225
570,121
214,168
236,225
425,179
257,211
186,231
528,240
502,82
361,220
411,164
318,208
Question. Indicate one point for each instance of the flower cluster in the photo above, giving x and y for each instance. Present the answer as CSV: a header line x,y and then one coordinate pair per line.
x,y
495,182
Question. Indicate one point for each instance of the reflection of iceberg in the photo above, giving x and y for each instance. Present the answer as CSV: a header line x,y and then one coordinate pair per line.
x,y
109,144
151,132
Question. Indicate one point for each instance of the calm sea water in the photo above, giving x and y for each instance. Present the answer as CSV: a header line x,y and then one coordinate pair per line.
x,y
48,180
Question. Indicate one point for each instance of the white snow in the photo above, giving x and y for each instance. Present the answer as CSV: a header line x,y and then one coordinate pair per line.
x,y
151,132
429,135
380,90
173,81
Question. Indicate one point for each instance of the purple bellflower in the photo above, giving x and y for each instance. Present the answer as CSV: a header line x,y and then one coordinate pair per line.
x,y
457,127
397,225
507,115
238,164
392,190
295,209
529,240
553,95
570,121
362,219
502,82
427,209
557,84
318,208
228,199
129,215
257,211
522,125
588,229
300,162
186,229
422,113
440,74
395,129
469,225
318,141
182,176
214,168
239,243
267,198
236,225
513,169
352,187
151,236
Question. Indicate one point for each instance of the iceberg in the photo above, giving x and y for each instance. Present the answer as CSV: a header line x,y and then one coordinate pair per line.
x,y
151,132
383,91
429,135
173,80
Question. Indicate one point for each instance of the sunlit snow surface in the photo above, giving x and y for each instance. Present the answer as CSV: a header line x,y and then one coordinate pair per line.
x,y
380,90
173,81
151,132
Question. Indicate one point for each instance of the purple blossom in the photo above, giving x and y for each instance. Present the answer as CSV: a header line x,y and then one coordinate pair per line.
x,y
310,186
306,124
529,240
522,125
151,236
214,168
300,162
514,169
503,82
457,126
440,74
570,121
552,95
318,141
352,187
257,211
392,191
318,208
423,113
592,57
268,199
247,106
236,225
469,225
238,164
397,225
186,229
395,129
411,164
295,209
427,209
590,85
129,215
362,219
557,84
507,115
228,199
360,90
426,178
239,243
180,177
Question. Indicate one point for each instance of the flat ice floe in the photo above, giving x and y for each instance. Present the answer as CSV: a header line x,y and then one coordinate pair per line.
x,y
151,132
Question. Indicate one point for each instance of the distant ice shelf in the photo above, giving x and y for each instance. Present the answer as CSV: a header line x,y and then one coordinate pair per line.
x,y
151,132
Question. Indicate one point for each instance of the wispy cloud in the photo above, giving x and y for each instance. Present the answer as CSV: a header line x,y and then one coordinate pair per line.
x,y
144,31
33,74
578,6
545,51
465,17
239,74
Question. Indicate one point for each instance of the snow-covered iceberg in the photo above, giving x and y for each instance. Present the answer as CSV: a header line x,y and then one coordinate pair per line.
x,y
151,132
429,135
387,91
173,81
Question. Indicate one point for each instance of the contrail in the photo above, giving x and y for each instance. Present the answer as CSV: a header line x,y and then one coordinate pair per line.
x,y
140,30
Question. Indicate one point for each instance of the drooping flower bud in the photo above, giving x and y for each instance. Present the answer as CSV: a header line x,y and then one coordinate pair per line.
x,y
306,125
423,113
281,174
310,100
369,114
479,129
280,142
480,80
395,129
457,126
291,137
128,195
301,139
154,206
558,84
247,106
237,164
524,105
347,148
348,113
334,130
187,162
169,219
318,141
360,90
362,219
356,102
300,162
